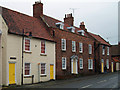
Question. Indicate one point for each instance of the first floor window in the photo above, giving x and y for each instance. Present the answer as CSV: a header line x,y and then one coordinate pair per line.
x,y
73,46
80,47
43,68
27,68
103,50
90,64
107,50
43,47
81,63
63,62
107,62
27,44
90,49
63,44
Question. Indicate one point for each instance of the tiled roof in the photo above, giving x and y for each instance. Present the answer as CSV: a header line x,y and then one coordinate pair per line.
x,y
99,38
52,23
116,60
16,22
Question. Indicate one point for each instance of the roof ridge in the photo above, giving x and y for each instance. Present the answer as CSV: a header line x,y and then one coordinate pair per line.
x,y
17,12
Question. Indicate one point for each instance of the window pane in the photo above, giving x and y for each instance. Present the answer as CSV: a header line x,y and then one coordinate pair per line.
x,y
42,68
27,68
27,44
42,46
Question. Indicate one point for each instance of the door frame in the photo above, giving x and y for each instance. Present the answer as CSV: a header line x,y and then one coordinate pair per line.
x,y
76,63
15,72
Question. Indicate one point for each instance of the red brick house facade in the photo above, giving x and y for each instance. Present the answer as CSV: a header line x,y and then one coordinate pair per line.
x,y
74,48
102,50
115,53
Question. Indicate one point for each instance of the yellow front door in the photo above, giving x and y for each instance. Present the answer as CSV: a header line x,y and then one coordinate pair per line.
x,y
11,73
102,66
51,71
112,66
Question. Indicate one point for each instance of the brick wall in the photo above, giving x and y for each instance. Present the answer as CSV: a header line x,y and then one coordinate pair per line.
x,y
68,53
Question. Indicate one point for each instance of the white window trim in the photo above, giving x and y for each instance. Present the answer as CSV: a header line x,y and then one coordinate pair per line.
x,y
45,47
80,63
30,45
107,62
90,61
103,50
74,46
45,69
90,48
29,71
81,46
108,50
63,40
65,63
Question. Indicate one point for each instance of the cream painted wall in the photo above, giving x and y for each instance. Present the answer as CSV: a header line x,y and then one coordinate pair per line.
x,y
33,57
0,63
4,29
12,47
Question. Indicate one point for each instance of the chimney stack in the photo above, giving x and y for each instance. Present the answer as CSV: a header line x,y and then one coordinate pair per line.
x,y
69,19
82,26
37,9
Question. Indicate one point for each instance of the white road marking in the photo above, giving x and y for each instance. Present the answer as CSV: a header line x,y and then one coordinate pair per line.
x,y
102,81
87,86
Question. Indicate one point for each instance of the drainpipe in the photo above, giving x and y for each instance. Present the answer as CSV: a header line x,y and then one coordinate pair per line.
x,y
95,51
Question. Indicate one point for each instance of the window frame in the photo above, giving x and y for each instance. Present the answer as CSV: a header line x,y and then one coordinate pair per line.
x,y
41,46
73,45
90,64
65,65
29,69
103,49
81,59
63,40
29,45
107,63
41,69
90,48
108,51
80,47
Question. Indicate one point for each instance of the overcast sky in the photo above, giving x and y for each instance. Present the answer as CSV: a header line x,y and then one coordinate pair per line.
x,y
100,16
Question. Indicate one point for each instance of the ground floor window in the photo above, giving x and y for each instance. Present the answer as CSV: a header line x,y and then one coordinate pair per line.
x,y
81,63
63,62
43,68
27,68
90,64
107,62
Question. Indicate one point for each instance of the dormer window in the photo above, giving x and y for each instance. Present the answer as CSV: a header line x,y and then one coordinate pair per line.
x,y
81,32
60,25
71,29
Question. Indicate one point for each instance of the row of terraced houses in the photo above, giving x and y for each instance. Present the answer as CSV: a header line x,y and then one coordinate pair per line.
x,y
56,50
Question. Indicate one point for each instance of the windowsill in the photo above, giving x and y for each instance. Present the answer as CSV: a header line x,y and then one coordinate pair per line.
x,y
43,75
27,52
64,50
80,52
73,51
81,68
27,76
90,69
43,54
63,69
